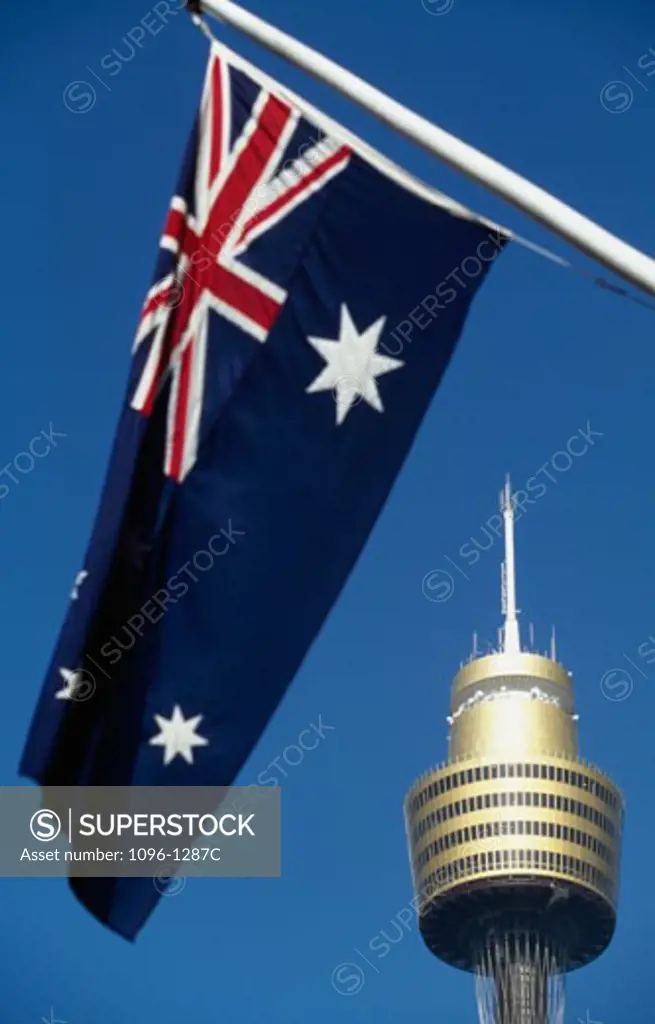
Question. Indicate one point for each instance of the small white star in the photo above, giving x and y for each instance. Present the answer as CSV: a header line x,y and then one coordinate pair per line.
x,y
72,680
79,580
352,365
178,736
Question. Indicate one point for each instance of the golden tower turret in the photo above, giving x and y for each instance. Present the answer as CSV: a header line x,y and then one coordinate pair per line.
x,y
515,841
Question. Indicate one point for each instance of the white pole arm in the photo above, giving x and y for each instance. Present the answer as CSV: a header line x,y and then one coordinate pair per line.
x,y
631,264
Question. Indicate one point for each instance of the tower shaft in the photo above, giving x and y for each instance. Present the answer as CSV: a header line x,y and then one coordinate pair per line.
x,y
519,980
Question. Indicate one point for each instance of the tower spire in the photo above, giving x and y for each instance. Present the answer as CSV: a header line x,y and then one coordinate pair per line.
x,y
511,638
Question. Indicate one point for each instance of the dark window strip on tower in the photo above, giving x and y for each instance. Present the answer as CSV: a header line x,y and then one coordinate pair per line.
x,y
546,772
496,829
488,801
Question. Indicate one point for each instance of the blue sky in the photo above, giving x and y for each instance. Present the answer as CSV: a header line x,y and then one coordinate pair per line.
x,y
545,355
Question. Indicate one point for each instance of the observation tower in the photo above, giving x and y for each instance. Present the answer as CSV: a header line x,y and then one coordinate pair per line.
x,y
515,841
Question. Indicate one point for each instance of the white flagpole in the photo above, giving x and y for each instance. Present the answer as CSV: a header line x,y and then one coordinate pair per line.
x,y
626,261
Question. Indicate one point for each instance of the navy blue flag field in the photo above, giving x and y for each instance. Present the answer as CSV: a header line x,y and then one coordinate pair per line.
x,y
307,299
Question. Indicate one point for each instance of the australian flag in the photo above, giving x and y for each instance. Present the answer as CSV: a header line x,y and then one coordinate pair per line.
x,y
307,298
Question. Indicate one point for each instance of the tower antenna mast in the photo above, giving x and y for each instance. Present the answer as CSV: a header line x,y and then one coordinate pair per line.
x,y
511,638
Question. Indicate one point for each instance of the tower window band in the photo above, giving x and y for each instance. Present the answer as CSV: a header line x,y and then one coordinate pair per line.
x,y
535,771
527,799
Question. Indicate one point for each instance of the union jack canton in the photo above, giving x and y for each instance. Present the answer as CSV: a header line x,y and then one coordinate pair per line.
x,y
246,180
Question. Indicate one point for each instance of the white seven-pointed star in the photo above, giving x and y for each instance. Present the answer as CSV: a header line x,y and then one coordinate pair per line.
x,y
72,680
178,736
352,364
79,580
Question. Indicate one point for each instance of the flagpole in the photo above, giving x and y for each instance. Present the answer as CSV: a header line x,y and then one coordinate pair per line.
x,y
626,261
